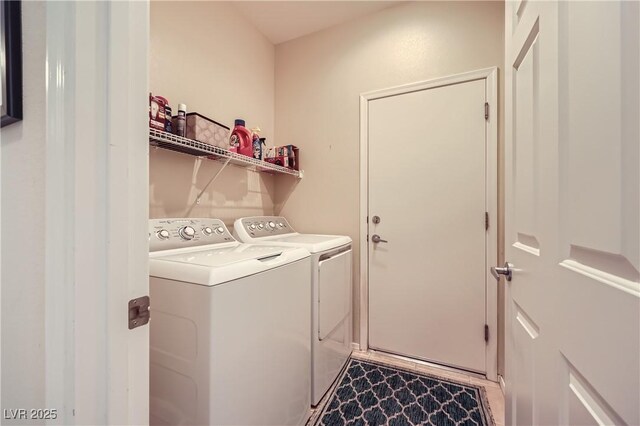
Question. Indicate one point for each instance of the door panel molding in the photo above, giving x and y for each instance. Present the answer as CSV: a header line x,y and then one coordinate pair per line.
x,y
527,323
584,405
490,75
611,269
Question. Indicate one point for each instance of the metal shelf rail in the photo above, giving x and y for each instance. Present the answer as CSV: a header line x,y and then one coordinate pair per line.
x,y
192,147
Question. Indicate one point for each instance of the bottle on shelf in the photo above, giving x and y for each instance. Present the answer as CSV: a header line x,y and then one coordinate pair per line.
x,y
168,122
241,139
181,120
257,143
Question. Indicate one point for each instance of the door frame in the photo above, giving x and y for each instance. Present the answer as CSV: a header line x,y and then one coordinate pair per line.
x,y
491,197
96,209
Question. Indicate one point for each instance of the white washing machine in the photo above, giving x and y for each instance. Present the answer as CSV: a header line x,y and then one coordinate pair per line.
x,y
230,328
331,260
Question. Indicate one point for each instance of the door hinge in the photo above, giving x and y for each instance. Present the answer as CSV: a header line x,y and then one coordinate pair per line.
x,y
486,110
486,333
139,313
486,221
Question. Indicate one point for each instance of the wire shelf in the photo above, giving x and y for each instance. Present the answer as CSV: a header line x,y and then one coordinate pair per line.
x,y
177,143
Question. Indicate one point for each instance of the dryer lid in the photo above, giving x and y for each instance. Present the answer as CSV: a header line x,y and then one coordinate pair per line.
x,y
277,230
312,242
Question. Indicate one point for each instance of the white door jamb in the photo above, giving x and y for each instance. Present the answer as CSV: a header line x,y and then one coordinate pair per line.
x,y
96,369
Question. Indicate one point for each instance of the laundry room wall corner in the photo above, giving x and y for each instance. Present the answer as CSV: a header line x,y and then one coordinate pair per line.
x,y
224,74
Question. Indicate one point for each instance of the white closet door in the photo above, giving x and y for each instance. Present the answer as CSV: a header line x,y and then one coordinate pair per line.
x,y
572,197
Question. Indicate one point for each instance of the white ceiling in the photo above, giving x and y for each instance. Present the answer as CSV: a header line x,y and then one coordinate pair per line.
x,y
281,21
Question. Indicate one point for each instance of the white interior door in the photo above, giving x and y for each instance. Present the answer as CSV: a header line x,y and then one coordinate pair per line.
x,y
427,182
572,160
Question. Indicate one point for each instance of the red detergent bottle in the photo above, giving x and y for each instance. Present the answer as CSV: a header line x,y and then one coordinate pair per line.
x,y
241,139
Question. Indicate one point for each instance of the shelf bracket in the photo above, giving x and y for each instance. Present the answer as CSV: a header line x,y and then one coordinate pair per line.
x,y
226,162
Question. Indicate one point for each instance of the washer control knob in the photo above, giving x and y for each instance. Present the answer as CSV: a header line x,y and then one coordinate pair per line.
x,y
260,226
272,225
187,233
163,234
207,231
252,226
280,225
220,230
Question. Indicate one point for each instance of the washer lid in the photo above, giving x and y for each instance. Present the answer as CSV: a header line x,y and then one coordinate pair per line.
x,y
217,265
312,242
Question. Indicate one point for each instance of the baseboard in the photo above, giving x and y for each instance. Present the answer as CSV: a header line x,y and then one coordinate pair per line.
x,y
502,385
356,347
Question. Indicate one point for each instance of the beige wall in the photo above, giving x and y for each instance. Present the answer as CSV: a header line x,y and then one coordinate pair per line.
x,y
319,79
207,56
23,205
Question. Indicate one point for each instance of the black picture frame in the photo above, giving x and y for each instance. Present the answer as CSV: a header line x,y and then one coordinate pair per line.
x,y
11,60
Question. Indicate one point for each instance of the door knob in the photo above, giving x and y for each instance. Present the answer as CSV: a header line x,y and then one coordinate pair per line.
x,y
507,271
376,239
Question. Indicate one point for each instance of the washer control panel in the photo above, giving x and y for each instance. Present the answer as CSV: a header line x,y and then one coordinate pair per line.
x,y
165,234
264,226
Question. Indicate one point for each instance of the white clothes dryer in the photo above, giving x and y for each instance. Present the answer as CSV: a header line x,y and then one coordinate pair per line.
x,y
230,328
331,283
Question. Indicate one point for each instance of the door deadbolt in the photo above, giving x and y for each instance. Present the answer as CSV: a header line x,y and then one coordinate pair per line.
x,y
376,219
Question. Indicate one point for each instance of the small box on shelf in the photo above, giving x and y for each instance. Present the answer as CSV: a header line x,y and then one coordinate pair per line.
x,y
285,156
206,130
157,112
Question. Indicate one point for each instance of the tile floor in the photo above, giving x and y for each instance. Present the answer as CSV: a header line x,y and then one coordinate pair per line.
x,y
494,393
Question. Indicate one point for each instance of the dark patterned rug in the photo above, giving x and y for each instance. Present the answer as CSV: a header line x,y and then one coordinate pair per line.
x,y
369,393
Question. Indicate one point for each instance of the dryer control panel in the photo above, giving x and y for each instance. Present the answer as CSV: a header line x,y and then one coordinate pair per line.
x,y
264,226
165,234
